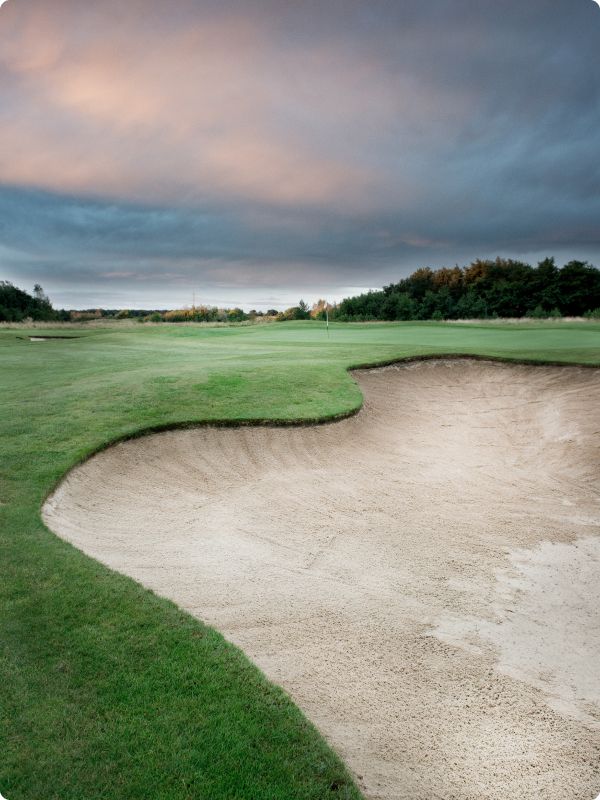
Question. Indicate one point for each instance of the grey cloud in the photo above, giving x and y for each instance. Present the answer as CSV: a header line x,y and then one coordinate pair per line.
x,y
322,145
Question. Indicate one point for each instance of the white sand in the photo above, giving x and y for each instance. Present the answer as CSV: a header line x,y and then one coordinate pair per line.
x,y
422,578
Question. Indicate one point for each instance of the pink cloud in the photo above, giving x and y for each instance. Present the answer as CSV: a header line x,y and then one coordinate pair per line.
x,y
113,101
142,115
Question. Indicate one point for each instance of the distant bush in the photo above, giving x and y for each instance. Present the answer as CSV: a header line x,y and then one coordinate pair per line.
x,y
86,316
301,311
537,313
595,314
541,313
207,314
237,315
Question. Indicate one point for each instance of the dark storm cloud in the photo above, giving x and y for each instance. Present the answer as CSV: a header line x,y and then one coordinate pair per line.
x,y
255,149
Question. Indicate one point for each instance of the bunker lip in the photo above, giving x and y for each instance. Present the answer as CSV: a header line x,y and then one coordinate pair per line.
x,y
37,338
305,421
377,567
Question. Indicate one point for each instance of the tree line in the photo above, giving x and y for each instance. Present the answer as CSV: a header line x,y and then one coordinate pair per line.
x,y
484,289
17,305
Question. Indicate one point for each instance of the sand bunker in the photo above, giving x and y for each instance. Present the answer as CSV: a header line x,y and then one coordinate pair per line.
x,y
421,578
48,338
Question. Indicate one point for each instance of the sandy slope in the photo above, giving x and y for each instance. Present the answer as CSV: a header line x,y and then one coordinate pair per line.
x,y
422,578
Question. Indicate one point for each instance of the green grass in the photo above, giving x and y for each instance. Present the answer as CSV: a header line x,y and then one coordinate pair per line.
x,y
108,691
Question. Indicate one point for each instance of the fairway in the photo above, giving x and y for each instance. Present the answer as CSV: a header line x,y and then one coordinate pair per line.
x,y
148,701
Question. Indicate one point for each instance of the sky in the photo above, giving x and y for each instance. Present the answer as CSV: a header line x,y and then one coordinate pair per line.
x,y
257,151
